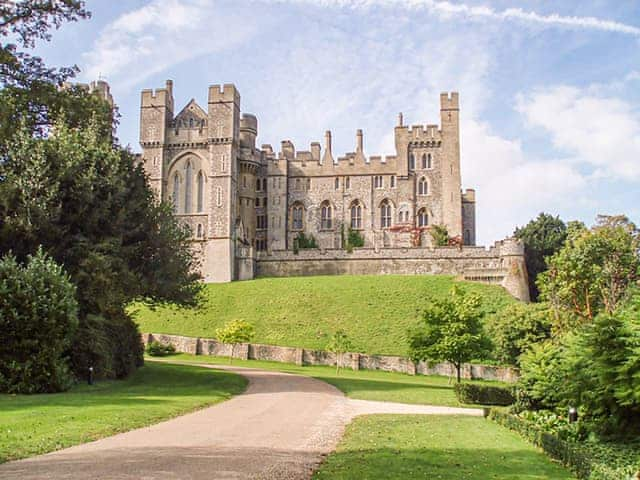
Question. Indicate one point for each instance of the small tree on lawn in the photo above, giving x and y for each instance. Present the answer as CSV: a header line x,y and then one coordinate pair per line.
x,y
450,331
235,332
339,344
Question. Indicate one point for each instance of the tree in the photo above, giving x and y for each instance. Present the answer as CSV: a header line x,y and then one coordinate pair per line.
x,y
339,344
439,235
592,272
516,328
450,331
542,237
38,319
235,332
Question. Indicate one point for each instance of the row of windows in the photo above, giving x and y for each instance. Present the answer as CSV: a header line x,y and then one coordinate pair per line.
x,y
378,182
355,211
188,187
426,161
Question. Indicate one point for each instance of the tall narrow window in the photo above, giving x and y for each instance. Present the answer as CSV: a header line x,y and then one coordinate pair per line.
x,y
325,216
347,183
377,181
219,196
264,184
412,161
423,218
200,192
296,223
337,183
187,188
424,160
258,185
176,192
199,233
385,214
392,181
429,163
423,187
356,215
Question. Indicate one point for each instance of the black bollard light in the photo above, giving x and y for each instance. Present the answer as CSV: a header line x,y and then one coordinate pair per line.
x,y
573,415
90,378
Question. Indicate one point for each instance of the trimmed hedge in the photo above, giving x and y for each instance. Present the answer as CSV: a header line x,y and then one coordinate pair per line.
x,y
157,349
574,455
483,394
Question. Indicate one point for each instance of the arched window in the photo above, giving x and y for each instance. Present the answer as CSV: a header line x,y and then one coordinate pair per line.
x,y
424,160
264,184
200,202
423,187
326,216
356,215
385,214
403,216
176,192
187,188
297,215
429,160
423,218
412,162
347,183
199,234
337,183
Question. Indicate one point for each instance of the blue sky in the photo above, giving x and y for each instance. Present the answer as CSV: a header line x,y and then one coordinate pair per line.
x,y
549,91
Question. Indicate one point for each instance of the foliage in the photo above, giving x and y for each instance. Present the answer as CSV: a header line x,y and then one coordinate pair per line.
x,y
339,344
374,310
354,240
302,242
157,349
439,235
541,376
483,394
38,318
590,460
37,424
235,332
443,447
592,272
515,328
542,238
451,331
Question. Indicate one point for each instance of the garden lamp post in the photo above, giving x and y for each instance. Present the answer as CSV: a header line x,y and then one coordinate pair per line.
x,y
573,415
90,378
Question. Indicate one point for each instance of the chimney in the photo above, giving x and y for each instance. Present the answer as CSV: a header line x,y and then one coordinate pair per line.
x,y
359,141
400,120
327,157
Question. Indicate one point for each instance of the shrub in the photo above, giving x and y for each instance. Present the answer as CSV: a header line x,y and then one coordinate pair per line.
x,y
302,241
157,349
235,332
354,239
439,235
38,317
483,394
541,377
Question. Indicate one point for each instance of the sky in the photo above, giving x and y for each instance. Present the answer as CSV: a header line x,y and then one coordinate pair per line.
x,y
549,91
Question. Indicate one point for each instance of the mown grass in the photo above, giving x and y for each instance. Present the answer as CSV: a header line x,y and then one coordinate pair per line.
x,y
362,384
35,424
435,447
375,311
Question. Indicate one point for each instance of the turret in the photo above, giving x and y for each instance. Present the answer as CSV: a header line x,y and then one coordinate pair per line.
x,y
248,131
450,161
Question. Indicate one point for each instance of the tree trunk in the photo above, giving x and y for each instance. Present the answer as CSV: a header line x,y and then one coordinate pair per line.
x,y
458,368
233,347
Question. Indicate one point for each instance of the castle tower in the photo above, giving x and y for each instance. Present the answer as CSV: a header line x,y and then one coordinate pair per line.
x,y
223,140
249,167
156,112
450,163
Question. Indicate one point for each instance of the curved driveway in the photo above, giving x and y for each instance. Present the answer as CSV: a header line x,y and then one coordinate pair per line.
x,y
280,428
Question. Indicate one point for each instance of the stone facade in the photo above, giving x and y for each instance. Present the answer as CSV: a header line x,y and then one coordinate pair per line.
x,y
247,206
302,356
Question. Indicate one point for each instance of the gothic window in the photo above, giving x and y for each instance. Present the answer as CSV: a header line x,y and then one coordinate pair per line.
x,y
377,181
200,205
308,184
191,123
297,217
258,185
347,183
264,184
176,192
199,231
392,181
257,202
423,187
412,162
423,218
337,183
385,214
429,164
187,188
356,215
325,216
244,181
297,184
424,160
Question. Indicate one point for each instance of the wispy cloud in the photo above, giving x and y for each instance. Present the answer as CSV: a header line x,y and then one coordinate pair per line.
x,y
449,9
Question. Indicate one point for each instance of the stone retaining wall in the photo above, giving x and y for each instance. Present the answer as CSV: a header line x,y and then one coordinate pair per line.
x,y
303,356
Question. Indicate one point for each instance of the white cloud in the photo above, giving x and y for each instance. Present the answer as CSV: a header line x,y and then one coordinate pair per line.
x,y
448,9
162,33
599,133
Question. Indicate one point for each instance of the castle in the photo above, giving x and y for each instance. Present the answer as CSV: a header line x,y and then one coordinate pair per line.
x,y
253,211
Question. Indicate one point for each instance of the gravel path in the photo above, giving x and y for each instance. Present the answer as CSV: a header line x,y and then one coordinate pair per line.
x,y
280,428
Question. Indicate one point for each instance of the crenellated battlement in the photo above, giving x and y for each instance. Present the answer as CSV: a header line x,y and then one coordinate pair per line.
x,y
224,94
449,101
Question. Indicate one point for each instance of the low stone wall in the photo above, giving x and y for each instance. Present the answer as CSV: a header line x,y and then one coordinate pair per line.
x,y
303,356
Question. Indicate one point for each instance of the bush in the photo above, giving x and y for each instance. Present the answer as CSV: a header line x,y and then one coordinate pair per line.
x,y
157,349
38,317
483,394
439,235
354,239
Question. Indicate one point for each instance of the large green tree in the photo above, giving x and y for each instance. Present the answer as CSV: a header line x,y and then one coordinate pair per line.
x,y
450,331
542,237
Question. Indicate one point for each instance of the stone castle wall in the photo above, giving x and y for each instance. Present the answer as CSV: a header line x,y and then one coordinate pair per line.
x,y
302,356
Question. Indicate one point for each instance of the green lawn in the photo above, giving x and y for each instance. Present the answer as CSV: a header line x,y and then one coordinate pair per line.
x,y
363,384
435,447
35,424
375,311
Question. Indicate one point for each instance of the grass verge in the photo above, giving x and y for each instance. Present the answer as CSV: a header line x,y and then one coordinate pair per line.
x,y
435,447
36,424
374,310
362,384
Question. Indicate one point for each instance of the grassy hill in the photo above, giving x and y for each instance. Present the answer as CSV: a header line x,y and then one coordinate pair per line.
x,y
375,311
